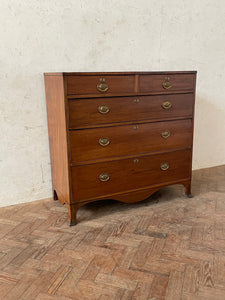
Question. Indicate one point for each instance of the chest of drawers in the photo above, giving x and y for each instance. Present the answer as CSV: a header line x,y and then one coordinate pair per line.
x,y
119,136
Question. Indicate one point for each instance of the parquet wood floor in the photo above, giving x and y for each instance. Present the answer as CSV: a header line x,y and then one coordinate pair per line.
x,y
166,247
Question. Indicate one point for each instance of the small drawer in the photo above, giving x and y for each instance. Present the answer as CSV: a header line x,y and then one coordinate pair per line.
x,y
87,112
100,85
95,180
166,83
103,143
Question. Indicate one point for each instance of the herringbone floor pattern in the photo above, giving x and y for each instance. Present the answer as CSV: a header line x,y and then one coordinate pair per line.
x,y
167,247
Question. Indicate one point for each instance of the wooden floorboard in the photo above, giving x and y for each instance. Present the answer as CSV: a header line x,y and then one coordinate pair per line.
x,y
166,247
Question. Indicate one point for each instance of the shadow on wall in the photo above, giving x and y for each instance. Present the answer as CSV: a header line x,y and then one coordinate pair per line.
x,y
209,134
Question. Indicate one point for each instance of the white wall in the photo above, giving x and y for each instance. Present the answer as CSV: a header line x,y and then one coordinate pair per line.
x,y
48,35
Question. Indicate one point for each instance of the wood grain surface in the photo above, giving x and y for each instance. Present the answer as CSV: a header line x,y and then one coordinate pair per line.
x,y
129,174
129,140
58,142
84,112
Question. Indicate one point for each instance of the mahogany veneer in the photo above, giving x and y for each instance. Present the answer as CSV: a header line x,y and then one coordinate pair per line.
x,y
119,135
148,108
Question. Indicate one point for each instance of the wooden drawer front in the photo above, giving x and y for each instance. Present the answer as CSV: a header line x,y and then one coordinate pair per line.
x,y
84,112
129,139
100,85
129,174
166,84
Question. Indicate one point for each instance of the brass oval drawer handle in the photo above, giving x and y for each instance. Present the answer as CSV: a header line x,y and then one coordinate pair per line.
x,y
102,86
167,84
104,177
164,166
136,100
166,105
103,109
165,134
104,141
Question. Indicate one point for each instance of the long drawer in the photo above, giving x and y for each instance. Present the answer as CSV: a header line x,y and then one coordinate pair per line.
x,y
106,178
99,143
87,112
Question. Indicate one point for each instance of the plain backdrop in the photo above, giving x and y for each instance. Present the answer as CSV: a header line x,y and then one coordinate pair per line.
x,y
40,36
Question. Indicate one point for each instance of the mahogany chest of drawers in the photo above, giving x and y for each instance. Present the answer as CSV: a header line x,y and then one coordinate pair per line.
x,y
119,135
